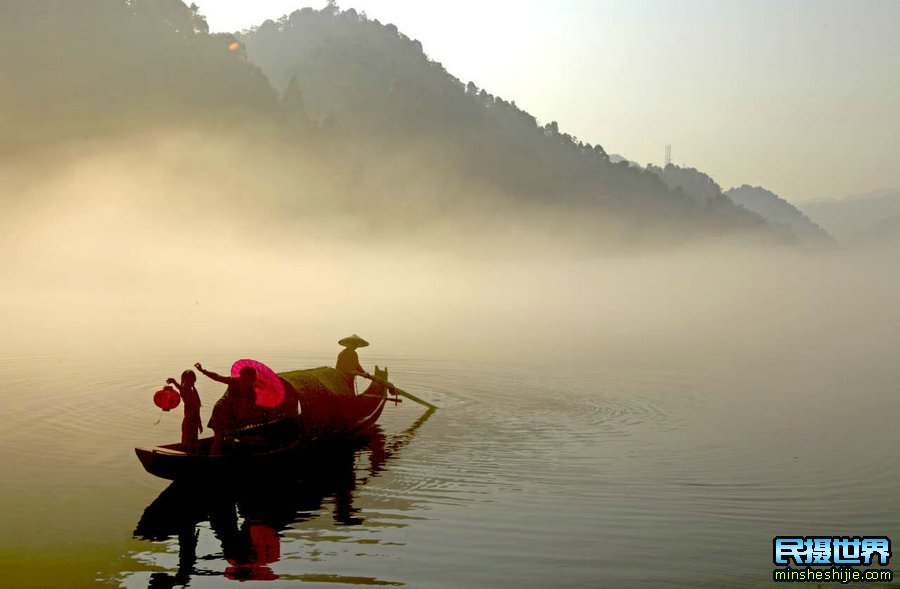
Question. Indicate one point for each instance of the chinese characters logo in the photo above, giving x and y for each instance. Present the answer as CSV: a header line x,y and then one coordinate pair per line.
x,y
832,550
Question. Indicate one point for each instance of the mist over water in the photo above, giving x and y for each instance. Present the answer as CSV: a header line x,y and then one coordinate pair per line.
x,y
187,237
681,393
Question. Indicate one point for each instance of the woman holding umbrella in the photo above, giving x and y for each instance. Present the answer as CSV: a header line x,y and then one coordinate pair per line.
x,y
234,406
253,388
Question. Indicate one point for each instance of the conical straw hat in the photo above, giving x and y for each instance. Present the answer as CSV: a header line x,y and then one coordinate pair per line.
x,y
353,341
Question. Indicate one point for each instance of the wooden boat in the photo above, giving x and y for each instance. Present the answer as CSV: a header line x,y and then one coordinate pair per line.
x,y
329,407
329,413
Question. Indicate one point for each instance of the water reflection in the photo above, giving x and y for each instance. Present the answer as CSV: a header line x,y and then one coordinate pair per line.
x,y
248,518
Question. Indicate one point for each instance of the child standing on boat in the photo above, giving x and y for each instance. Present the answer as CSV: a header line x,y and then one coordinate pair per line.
x,y
191,426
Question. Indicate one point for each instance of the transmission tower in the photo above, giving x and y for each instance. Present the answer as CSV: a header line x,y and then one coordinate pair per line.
x,y
668,153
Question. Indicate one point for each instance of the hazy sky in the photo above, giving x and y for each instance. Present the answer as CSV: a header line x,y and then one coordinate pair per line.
x,y
801,96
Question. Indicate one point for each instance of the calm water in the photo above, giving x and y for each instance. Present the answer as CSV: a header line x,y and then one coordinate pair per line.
x,y
528,476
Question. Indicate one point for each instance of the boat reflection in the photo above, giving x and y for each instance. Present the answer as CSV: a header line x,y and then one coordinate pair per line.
x,y
248,518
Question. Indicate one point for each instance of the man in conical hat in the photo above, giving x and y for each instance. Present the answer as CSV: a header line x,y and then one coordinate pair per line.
x,y
348,360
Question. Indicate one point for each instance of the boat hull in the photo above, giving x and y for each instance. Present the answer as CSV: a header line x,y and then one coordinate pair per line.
x,y
325,420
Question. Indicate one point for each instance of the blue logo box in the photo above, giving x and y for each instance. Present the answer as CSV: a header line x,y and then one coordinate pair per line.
x,y
831,550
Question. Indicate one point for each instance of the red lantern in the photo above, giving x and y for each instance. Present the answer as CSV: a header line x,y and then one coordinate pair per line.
x,y
167,398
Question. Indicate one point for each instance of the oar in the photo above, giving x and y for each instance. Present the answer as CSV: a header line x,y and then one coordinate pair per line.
x,y
393,388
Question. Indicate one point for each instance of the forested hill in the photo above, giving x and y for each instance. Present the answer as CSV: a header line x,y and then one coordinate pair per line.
x,y
777,210
334,85
93,66
701,187
376,84
690,182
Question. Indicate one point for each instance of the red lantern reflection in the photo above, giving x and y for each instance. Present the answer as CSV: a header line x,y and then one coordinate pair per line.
x,y
266,544
265,548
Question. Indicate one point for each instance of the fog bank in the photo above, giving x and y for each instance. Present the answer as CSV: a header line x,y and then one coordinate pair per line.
x,y
180,241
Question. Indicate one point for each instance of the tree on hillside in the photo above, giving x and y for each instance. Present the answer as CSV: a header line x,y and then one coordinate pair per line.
x,y
77,61
689,181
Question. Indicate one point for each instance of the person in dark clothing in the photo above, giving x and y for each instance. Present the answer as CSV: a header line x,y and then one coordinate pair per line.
x,y
235,405
348,360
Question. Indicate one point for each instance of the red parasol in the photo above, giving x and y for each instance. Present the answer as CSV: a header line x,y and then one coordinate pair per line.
x,y
269,388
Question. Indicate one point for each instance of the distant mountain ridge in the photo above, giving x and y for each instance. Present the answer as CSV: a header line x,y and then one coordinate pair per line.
x,y
777,210
851,217
765,203
886,232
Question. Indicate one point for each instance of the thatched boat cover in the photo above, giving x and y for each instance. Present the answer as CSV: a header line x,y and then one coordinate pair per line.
x,y
323,381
